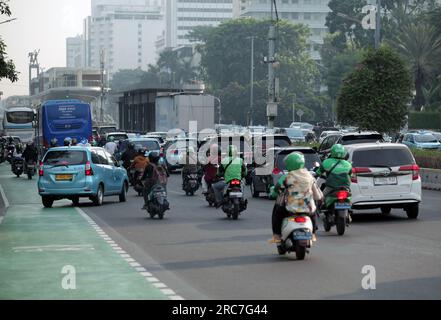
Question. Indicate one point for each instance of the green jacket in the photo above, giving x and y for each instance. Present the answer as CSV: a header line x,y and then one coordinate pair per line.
x,y
232,169
340,176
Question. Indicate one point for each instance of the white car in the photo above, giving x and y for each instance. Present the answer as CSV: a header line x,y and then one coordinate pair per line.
x,y
385,176
324,134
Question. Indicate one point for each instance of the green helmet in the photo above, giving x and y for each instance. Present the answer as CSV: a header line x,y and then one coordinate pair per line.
x,y
338,151
111,139
295,161
232,151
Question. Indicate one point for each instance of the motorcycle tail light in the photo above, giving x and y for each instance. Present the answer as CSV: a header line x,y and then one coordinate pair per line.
x,y
276,171
300,219
342,195
235,183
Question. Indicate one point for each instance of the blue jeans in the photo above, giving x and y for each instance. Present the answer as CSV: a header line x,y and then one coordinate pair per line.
x,y
219,189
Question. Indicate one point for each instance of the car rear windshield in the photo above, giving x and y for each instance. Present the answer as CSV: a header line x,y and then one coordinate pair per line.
x,y
392,157
148,144
310,159
105,130
346,140
427,138
68,157
118,137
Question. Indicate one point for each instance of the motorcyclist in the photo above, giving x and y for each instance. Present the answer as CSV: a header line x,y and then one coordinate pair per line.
x,y
191,165
54,143
74,142
154,174
128,155
231,168
30,154
297,193
111,145
210,169
336,170
67,141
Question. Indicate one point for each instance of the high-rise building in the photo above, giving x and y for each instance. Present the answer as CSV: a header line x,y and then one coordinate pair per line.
x,y
75,52
183,15
309,12
123,34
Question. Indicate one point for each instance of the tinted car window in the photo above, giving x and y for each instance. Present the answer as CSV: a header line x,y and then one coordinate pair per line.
x,y
102,157
149,145
310,159
95,158
69,157
118,137
347,140
392,157
425,138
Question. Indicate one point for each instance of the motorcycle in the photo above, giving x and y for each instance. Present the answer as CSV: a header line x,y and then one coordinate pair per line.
x,y
191,184
30,169
338,204
296,235
131,171
234,202
209,195
157,203
17,166
138,185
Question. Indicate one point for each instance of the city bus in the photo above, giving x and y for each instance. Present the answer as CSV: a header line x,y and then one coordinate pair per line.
x,y
61,119
18,122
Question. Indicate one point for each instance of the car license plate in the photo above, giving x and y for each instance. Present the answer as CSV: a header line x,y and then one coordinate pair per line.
x,y
236,194
383,181
343,206
63,177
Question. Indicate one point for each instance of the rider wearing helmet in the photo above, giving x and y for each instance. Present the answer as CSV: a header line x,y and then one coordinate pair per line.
x,y
299,194
54,143
210,168
231,168
67,141
155,173
111,145
30,154
128,155
336,169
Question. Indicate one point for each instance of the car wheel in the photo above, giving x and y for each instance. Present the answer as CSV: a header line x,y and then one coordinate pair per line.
x,y
76,201
412,211
47,201
99,198
386,210
123,194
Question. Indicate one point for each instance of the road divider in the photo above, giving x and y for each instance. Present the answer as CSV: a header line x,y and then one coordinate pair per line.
x,y
431,178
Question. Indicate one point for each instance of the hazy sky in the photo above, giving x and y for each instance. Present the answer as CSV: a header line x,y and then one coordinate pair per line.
x,y
44,25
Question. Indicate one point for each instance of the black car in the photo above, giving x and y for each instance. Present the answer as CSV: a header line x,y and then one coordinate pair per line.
x,y
347,139
265,176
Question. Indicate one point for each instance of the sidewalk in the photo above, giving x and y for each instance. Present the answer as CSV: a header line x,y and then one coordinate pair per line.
x,y
37,243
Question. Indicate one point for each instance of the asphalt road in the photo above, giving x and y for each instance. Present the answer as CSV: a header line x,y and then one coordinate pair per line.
x,y
201,254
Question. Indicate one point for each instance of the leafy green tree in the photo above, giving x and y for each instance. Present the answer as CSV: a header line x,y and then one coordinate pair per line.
x,y
7,66
376,95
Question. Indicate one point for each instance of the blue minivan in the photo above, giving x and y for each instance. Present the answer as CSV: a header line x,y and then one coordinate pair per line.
x,y
80,172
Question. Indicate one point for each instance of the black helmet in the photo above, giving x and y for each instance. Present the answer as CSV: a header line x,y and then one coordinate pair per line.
x,y
54,142
131,145
154,157
141,151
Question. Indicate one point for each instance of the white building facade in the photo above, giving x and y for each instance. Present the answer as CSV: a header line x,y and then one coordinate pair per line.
x,y
122,34
309,12
75,52
183,15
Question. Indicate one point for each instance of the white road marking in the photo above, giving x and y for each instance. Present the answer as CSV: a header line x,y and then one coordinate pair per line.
x,y
5,200
55,247
141,270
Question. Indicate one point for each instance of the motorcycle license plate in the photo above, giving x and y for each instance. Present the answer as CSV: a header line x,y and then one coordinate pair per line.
x,y
63,177
301,235
236,194
343,206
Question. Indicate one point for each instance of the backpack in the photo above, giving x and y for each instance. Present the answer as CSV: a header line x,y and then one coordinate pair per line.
x,y
159,174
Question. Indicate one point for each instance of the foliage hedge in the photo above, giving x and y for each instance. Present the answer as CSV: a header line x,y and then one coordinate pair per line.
x,y
425,120
427,158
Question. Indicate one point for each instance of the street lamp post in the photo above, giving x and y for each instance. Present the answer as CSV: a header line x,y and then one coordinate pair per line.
x,y
219,109
252,81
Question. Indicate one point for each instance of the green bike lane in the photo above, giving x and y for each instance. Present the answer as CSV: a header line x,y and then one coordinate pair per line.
x,y
58,253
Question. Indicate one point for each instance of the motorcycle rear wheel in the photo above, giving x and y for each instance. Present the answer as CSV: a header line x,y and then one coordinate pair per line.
x,y
300,252
341,225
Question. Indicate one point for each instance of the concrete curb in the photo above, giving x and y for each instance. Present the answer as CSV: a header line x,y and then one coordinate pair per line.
x,y
431,178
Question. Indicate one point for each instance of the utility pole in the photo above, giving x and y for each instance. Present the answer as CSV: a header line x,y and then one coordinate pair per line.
x,y
294,108
378,25
252,81
272,104
102,86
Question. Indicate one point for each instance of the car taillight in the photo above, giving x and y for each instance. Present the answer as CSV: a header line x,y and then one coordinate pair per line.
x,y
276,171
235,183
40,170
300,219
415,170
342,195
358,170
89,171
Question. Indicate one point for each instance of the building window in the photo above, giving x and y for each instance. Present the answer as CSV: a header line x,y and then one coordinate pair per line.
x,y
294,15
285,1
306,16
295,1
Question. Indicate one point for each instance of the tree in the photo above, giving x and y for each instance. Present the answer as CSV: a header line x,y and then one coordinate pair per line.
x,y
225,62
376,95
7,66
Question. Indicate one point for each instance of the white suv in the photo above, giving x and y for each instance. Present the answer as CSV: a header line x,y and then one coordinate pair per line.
x,y
385,176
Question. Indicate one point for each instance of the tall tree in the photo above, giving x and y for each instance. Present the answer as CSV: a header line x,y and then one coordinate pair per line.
x,y
7,66
375,96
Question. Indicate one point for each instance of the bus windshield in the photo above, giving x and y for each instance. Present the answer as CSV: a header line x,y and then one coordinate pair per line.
x,y
19,117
